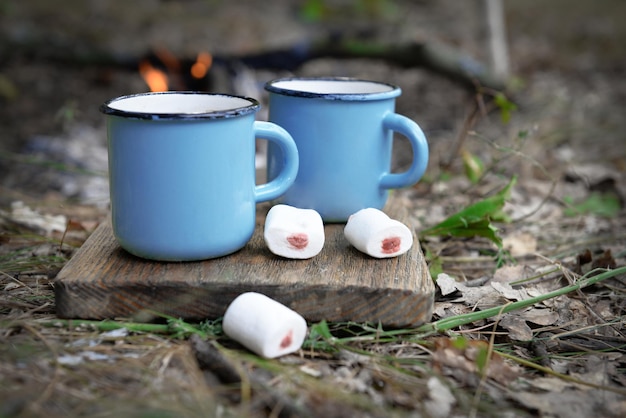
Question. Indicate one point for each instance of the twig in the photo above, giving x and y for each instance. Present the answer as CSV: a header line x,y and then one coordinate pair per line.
x,y
534,162
496,24
591,327
468,123
440,58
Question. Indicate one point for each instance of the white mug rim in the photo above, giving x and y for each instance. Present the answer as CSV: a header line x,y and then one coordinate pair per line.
x,y
222,106
333,88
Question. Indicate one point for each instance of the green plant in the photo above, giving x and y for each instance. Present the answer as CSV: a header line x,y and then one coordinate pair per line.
x,y
476,219
602,204
505,105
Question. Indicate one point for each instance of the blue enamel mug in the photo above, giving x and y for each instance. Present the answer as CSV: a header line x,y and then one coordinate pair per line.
x,y
343,128
182,172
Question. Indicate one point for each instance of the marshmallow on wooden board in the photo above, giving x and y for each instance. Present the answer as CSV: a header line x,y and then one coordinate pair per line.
x,y
294,233
373,232
263,325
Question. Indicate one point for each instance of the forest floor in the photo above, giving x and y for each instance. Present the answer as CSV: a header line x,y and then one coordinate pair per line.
x,y
560,132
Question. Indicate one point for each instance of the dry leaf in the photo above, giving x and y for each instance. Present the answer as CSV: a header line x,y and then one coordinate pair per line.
x,y
446,283
517,327
503,277
469,356
447,309
540,316
23,215
508,274
480,296
508,292
520,244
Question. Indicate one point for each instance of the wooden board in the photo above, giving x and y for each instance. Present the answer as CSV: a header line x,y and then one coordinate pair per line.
x,y
339,284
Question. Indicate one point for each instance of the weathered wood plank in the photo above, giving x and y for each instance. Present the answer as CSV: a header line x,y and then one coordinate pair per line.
x,y
340,284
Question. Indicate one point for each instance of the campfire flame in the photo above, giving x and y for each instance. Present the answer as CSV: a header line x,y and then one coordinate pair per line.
x,y
154,78
202,65
171,77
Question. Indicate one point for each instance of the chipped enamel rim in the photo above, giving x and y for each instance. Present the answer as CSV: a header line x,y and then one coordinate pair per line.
x,y
172,105
333,88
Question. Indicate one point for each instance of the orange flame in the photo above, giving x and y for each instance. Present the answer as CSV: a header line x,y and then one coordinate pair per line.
x,y
202,65
155,78
172,77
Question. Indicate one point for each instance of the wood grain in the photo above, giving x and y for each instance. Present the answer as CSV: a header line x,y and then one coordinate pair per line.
x,y
340,284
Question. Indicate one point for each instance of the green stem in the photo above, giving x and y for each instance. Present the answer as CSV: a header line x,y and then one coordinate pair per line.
x,y
107,325
446,324
177,326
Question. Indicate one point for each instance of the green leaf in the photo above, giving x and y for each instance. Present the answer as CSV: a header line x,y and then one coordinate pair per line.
x,y
321,329
506,106
602,204
313,10
474,167
320,337
481,359
460,342
475,220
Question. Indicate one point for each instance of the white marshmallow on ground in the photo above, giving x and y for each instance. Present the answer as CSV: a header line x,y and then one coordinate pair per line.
x,y
263,325
373,232
293,232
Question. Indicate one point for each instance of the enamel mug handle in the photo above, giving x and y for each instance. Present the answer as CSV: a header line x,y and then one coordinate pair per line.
x,y
414,134
287,175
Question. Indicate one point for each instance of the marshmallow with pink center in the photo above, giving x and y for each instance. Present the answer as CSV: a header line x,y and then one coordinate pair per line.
x,y
372,232
264,325
293,232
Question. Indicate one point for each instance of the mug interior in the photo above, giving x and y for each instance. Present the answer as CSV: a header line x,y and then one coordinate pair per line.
x,y
180,104
333,86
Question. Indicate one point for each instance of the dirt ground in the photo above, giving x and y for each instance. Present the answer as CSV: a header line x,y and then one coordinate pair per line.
x,y
564,140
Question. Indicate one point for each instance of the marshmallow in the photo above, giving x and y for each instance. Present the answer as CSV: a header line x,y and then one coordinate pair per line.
x,y
294,233
371,231
263,325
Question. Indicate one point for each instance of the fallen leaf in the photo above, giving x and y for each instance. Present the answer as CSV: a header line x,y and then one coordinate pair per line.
x,y
605,261
470,357
508,274
508,292
446,283
24,215
517,327
12,285
480,296
504,276
540,316
448,309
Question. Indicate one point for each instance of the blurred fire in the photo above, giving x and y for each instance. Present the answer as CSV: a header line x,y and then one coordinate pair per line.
x,y
163,71
154,78
202,65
